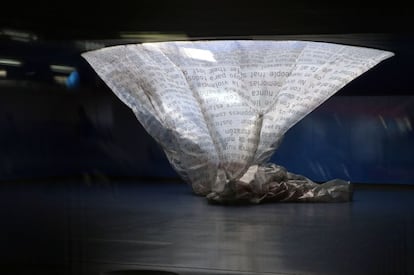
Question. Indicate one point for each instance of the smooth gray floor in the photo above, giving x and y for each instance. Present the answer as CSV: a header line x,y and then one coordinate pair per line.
x,y
97,226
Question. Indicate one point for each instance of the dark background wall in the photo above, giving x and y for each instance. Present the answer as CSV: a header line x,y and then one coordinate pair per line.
x,y
58,133
78,127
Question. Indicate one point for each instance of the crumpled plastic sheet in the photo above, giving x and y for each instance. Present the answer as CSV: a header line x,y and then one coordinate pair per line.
x,y
220,109
271,182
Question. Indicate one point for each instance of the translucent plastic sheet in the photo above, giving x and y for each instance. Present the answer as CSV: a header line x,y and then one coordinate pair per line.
x,y
220,108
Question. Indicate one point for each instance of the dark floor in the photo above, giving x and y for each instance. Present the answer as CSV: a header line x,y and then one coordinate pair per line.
x,y
95,226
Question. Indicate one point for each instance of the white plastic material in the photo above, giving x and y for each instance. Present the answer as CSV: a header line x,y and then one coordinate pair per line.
x,y
219,108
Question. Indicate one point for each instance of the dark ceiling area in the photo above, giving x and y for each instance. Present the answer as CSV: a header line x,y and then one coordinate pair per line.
x,y
43,33
213,18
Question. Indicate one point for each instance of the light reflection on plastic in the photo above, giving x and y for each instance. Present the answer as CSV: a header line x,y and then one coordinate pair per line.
x,y
199,54
3,73
217,96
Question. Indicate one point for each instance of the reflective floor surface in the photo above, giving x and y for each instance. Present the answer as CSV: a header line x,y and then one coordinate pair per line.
x,y
101,226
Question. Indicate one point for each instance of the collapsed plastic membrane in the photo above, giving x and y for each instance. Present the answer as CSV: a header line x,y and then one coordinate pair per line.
x,y
220,108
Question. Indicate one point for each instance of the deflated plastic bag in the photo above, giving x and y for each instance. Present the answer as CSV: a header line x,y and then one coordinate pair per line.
x,y
220,109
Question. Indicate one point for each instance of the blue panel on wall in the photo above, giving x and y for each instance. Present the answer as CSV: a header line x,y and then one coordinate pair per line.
x,y
361,139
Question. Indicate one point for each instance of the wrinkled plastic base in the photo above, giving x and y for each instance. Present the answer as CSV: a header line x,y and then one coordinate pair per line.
x,y
273,183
